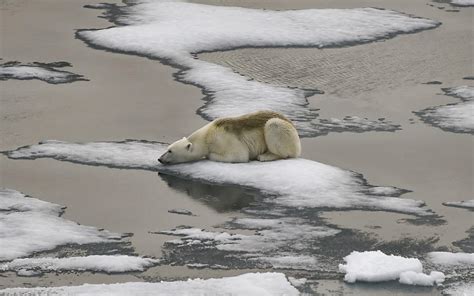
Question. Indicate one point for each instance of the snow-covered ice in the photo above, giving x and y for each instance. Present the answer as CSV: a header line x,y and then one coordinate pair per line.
x,y
181,212
41,71
102,263
468,204
175,31
451,259
459,289
463,3
455,117
292,182
421,279
375,266
29,225
249,284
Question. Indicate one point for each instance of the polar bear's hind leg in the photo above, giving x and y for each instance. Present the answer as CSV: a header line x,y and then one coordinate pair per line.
x,y
282,140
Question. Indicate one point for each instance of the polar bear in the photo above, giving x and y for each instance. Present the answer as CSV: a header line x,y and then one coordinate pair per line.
x,y
262,135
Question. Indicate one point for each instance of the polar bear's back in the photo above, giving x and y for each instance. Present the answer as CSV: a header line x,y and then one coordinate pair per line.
x,y
247,122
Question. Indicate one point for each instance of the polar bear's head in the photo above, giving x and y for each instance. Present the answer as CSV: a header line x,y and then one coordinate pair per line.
x,y
178,152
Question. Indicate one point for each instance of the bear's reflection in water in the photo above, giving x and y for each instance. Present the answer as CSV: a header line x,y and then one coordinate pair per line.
x,y
222,198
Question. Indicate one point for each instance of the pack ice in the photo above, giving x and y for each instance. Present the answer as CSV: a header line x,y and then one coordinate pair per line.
x,y
175,31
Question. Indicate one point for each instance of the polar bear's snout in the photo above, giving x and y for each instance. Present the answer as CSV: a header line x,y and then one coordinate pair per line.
x,y
162,159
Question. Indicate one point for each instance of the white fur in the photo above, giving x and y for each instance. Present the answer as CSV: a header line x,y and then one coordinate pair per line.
x,y
274,139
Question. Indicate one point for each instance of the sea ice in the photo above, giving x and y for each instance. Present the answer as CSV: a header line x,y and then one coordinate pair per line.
x,y
41,71
101,263
455,117
292,182
421,279
175,31
249,284
451,259
29,225
468,204
375,266
463,3
459,289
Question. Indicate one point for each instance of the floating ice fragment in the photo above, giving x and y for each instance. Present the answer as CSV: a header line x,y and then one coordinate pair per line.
x,y
455,117
375,266
468,204
101,263
41,71
421,279
450,259
249,284
29,225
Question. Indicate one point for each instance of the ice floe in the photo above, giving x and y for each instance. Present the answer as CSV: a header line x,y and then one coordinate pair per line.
x,y
181,212
292,183
29,225
421,279
375,266
462,3
455,117
101,263
175,31
451,259
468,204
42,71
249,284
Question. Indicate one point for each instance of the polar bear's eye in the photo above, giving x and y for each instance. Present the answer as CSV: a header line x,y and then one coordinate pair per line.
x,y
169,151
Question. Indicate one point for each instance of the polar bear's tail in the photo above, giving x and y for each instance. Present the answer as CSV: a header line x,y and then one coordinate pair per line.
x,y
282,138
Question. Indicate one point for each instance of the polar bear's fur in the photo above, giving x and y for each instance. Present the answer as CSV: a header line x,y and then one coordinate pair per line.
x,y
262,135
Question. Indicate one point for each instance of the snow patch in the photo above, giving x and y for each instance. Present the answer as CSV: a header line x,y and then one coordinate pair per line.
x,y
29,225
102,263
249,284
174,31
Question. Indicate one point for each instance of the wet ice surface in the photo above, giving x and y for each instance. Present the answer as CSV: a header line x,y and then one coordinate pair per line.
x,y
283,230
249,284
46,72
98,263
174,31
468,204
29,225
455,117
295,183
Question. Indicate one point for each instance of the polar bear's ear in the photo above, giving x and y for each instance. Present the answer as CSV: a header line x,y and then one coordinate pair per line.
x,y
189,146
